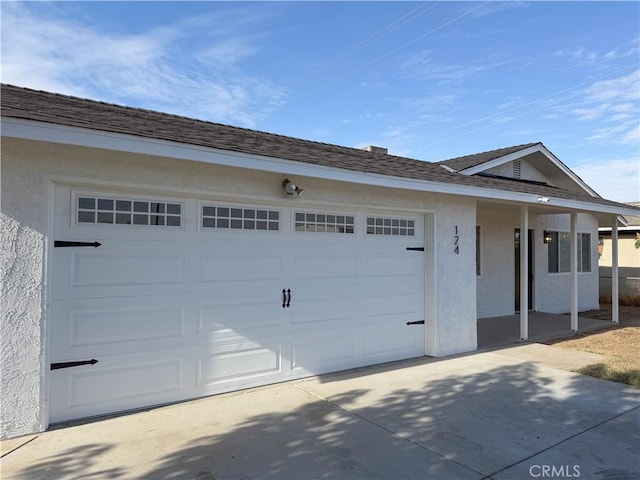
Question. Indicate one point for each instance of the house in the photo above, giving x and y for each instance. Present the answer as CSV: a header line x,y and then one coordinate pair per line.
x,y
149,258
628,256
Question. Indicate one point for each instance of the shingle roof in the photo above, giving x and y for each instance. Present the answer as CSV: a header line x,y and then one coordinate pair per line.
x,y
23,103
468,161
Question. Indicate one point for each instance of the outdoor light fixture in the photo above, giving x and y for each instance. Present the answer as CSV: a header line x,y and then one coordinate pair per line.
x,y
543,199
291,188
548,238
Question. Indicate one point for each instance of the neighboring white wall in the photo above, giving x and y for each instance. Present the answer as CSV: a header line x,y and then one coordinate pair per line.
x,y
455,276
496,284
553,290
26,170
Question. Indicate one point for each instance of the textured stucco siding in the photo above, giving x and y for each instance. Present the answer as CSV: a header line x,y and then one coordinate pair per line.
x,y
553,290
28,168
496,283
455,276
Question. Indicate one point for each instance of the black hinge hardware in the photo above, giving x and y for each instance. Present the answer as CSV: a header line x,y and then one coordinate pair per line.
x,y
57,366
416,249
417,322
64,243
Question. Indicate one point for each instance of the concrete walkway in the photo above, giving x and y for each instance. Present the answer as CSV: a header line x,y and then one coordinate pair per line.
x,y
492,415
498,331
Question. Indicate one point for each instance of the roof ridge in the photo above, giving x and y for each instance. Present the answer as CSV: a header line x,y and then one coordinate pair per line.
x,y
513,147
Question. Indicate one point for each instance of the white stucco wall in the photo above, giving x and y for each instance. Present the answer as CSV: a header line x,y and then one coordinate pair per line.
x,y
27,170
455,276
553,290
496,284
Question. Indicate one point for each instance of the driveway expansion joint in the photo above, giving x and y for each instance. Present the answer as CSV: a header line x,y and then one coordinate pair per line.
x,y
6,454
382,427
560,442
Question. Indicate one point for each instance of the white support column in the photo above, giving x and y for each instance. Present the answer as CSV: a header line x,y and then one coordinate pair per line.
x,y
574,272
524,272
615,293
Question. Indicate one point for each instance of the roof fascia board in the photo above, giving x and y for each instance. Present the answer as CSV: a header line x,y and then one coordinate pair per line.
x,y
62,134
523,153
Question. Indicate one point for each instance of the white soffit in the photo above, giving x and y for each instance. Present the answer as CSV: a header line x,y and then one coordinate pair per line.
x,y
66,135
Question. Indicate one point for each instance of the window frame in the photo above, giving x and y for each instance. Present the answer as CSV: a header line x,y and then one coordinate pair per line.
x,y
555,243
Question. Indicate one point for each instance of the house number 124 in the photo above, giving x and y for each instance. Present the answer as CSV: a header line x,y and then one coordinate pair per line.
x,y
456,239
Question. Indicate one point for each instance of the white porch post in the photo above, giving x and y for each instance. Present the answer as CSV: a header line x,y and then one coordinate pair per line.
x,y
615,310
524,272
574,272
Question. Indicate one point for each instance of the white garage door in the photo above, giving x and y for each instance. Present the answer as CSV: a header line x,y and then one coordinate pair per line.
x,y
185,298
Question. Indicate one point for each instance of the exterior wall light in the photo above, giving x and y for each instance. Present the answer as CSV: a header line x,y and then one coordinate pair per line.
x,y
291,189
548,238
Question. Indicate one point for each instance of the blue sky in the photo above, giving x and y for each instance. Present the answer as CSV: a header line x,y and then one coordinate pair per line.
x,y
429,80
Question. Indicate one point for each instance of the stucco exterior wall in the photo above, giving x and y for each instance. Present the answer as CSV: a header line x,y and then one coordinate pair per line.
x,y
496,284
553,290
27,170
455,276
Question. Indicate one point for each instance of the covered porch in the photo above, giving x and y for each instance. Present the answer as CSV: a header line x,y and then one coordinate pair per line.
x,y
505,330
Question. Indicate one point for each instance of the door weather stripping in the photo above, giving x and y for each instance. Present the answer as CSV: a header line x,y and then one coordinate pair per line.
x,y
416,249
57,366
417,322
63,243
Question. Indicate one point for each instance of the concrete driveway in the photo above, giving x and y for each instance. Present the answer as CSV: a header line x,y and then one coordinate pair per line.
x,y
494,415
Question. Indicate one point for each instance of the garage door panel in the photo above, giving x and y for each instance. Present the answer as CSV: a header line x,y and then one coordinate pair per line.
x,y
239,320
97,327
393,342
131,325
231,268
391,266
321,353
237,362
306,267
140,379
395,306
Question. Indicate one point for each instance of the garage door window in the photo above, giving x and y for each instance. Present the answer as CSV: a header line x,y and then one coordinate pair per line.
x,y
322,222
240,218
120,211
390,226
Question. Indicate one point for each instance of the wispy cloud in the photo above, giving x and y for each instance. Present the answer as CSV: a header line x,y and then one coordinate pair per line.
x,y
150,68
421,65
612,105
617,179
593,58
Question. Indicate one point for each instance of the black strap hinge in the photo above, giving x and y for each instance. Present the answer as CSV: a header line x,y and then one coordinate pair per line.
x,y
417,322
416,249
64,243
57,366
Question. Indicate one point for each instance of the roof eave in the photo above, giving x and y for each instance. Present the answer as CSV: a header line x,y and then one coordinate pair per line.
x,y
77,136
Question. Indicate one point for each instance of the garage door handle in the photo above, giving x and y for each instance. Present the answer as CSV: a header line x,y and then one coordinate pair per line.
x,y
57,366
416,249
288,297
284,298
417,322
